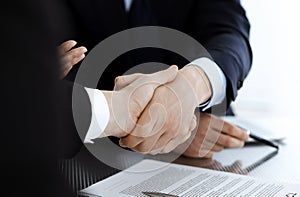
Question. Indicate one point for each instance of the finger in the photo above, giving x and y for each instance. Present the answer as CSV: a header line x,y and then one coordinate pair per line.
x,y
161,142
77,52
204,144
211,147
154,132
216,134
235,131
229,129
125,80
207,155
207,136
161,77
66,46
215,137
149,124
130,141
176,141
77,59
70,59
73,57
68,65
193,124
197,149
149,144
144,125
184,135
230,142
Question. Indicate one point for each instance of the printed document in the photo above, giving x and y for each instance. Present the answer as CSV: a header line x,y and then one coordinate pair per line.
x,y
186,181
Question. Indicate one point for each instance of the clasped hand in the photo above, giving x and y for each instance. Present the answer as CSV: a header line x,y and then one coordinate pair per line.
x,y
166,117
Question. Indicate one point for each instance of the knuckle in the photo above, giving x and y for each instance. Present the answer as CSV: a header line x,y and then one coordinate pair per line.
x,y
142,149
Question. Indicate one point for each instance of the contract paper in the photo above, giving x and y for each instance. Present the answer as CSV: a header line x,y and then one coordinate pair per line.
x,y
186,181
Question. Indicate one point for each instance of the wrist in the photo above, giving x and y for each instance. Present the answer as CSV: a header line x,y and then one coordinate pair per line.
x,y
112,128
199,82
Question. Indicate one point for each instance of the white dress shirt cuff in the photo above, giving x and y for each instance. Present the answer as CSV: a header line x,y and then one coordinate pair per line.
x,y
217,80
100,114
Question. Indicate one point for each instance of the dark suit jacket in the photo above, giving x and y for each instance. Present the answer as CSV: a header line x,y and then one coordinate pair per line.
x,y
220,26
37,128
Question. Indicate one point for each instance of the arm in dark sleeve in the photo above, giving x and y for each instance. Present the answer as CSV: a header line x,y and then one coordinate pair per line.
x,y
222,27
33,100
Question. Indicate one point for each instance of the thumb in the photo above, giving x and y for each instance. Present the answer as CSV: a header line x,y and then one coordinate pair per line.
x,y
164,76
125,80
160,78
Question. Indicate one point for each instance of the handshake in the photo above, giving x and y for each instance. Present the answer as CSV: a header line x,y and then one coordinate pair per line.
x,y
154,113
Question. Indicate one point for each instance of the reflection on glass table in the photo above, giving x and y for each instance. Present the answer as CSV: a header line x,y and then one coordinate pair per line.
x,y
235,166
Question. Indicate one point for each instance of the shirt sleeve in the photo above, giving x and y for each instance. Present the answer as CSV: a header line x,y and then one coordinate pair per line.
x,y
100,114
217,80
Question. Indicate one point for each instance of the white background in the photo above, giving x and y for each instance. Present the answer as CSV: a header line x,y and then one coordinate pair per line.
x,y
273,85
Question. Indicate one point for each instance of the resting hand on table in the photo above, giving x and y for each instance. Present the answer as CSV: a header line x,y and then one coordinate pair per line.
x,y
213,135
69,57
131,96
168,119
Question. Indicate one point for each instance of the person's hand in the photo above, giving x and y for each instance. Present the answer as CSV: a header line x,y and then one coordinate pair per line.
x,y
169,118
131,96
213,135
69,57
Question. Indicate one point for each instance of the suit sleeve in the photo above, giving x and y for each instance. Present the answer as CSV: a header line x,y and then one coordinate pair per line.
x,y
37,121
223,29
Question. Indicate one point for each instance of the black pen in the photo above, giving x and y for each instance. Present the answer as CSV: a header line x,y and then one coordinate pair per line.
x,y
260,139
158,194
263,141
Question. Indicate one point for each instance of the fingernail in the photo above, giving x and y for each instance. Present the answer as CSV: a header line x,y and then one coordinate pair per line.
x,y
116,79
85,50
173,67
74,41
122,144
